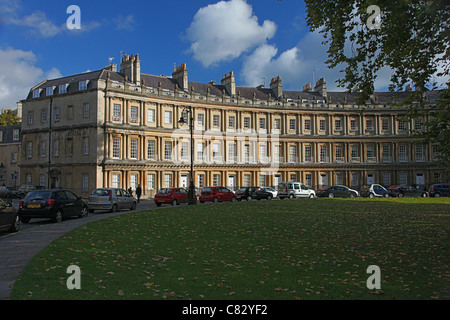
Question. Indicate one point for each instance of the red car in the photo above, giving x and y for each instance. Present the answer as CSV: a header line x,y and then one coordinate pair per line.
x,y
217,194
173,196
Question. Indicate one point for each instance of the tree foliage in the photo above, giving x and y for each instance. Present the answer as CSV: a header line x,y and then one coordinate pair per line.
x,y
8,118
412,40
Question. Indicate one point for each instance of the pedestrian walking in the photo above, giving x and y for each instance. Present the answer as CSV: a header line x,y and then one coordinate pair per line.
x,y
138,192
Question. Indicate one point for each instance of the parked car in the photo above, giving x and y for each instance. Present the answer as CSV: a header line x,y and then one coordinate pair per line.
x,y
272,191
407,191
6,193
439,190
24,189
249,193
373,191
111,199
173,196
217,194
53,204
337,192
294,190
9,219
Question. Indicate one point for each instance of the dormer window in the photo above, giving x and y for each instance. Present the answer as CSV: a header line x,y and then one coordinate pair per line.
x,y
36,93
63,88
49,91
83,85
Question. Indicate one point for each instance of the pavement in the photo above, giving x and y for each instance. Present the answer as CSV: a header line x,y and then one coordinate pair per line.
x,y
17,249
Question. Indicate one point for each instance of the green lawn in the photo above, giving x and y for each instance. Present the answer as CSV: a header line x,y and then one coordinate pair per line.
x,y
290,249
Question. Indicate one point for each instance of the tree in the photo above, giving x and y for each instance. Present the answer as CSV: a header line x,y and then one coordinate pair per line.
x,y
410,37
8,117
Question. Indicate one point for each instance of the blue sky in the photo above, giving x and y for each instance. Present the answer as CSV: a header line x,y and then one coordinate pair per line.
x,y
257,39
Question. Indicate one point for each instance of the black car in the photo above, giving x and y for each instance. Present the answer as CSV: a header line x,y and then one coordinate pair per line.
x,y
249,193
6,193
9,220
439,190
407,191
53,204
337,192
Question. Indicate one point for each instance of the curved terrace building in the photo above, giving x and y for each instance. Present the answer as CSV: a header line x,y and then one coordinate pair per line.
x,y
110,128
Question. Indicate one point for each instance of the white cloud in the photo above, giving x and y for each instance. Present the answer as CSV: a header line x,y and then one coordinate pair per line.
x,y
125,23
298,66
18,74
223,31
39,23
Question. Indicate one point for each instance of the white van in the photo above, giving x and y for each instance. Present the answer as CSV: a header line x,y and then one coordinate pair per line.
x,y
294,190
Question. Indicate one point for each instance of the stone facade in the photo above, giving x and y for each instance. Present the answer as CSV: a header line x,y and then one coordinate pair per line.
x,y
107,128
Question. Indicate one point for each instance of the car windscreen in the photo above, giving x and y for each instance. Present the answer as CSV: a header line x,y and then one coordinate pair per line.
x,y
164,191
100,193
36,195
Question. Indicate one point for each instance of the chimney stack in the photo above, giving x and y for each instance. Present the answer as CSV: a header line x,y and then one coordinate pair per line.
x,y
321,87
180,74
307,87
275,85
131,68
229,82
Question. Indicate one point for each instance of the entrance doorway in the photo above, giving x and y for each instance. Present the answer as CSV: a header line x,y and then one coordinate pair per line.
x,y
184,181
231,182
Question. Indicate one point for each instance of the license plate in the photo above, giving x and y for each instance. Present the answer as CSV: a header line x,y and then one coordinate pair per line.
x,y
34,206
160,200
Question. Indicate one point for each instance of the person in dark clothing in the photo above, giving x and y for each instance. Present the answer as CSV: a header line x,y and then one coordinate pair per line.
x,y
130,191
138,192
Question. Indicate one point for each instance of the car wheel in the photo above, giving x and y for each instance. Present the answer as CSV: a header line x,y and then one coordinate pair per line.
x,y
133,206
114,208
424,195
331,195
158,204
371,196
311,196
352,195
58,216
269,197
249,198
437,195
25,220
16,225
401,195
215,200
84,213
291,196
174,202
386,195
202,201
233,199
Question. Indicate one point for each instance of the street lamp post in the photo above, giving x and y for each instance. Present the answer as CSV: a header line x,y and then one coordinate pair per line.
x,y
192,198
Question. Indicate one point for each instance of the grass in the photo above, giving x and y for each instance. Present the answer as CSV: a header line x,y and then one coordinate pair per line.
x,y
299,249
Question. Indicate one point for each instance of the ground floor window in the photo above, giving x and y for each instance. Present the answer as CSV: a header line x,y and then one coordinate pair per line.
x,y
115,181
133,181
150,181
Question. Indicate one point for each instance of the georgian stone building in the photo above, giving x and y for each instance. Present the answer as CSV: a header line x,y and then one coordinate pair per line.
x,y
110,128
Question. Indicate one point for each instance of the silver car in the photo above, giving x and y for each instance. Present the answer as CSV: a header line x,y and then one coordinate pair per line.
x,y
111,199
